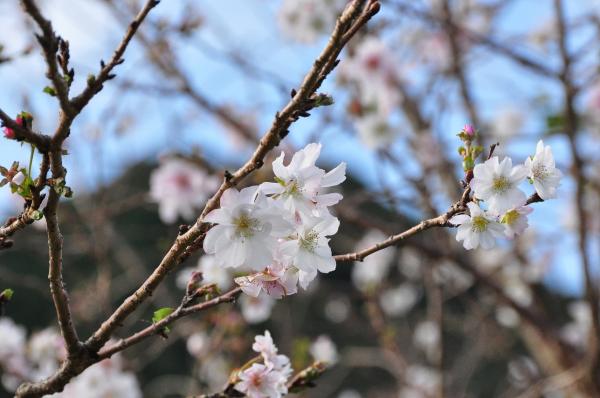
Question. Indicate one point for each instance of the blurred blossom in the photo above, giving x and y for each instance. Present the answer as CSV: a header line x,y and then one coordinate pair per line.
x,y
507,122
375,131
410,263
46,350
507,316
349,394
197,343
256,309
370,272
306,20
104,379
398,301
180,188
211,273
12,354
214,371
514,284
423,382
453,277
522,372
427,337
374,70
337,309
323,349
577,331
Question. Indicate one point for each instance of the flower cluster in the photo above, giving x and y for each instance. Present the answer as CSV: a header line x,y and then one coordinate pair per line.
x,y
280,229
267,379
40,356
179,187
496,183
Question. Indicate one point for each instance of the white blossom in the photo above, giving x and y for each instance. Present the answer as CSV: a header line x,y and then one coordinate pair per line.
x,y
180,188
299,185
543,172
508,122
246,229
477,229
310,249
497,183
197,343
515,221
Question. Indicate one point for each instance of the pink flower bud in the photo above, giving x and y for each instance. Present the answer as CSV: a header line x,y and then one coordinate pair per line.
x,y
9,133
469,130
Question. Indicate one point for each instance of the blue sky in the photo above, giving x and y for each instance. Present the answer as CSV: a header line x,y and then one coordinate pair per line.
x,y
250,28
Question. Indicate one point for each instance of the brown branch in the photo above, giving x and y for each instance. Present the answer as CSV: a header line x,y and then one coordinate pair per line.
x,y
95,84
49,42
57,288
156,328
355,14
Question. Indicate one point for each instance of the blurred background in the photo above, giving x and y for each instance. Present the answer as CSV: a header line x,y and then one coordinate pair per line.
x,y
200,85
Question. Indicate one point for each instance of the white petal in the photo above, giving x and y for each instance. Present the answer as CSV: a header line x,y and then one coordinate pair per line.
x,y
335,176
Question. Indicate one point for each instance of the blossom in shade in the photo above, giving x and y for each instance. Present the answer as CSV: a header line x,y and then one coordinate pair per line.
x,y
267,379
277,280
543,172
299,185
261,381
478,228
515,221
180,188
497,183
247,225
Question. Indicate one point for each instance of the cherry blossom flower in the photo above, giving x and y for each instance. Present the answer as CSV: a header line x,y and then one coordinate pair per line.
x,y
497,183
300,184
515,220
261,381
310,247
508,122
277,280
264,345
246,227
268,380
477,229
543,172
180,188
